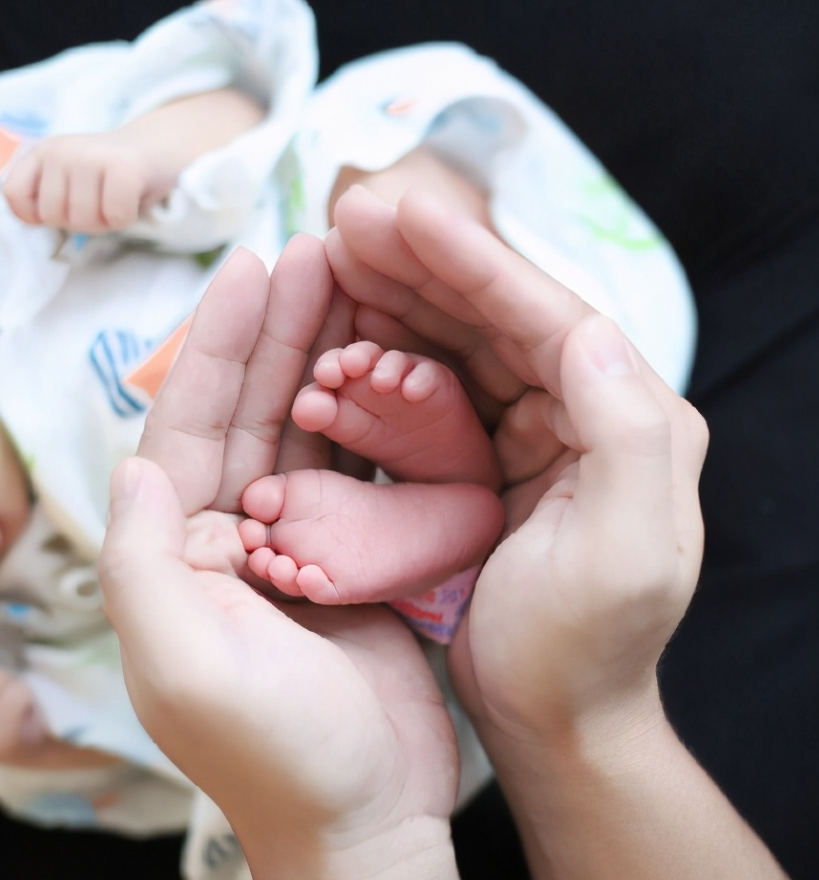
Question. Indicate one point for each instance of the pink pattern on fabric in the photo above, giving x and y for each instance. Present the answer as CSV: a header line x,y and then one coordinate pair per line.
x,y
437,613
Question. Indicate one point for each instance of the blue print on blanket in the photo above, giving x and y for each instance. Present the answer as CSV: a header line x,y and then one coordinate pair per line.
x,y
113,354
61,808
24,124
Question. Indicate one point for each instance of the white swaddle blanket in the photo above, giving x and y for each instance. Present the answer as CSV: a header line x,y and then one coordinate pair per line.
x,y
78,314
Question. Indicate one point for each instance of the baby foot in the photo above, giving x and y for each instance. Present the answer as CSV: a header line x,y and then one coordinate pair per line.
x,y
406,413
337,540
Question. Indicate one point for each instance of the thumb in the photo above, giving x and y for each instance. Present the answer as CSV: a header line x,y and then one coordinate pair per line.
x,y
144,580
638,477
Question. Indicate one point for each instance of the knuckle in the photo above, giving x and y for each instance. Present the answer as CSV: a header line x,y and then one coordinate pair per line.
x,y
114,218
51,215
80,219
699,432
646,431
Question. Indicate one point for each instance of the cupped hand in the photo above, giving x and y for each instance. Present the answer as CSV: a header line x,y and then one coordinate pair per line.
x,y
604,533
320,732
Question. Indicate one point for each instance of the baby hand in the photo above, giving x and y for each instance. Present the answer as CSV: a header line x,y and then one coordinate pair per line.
x,y
86,183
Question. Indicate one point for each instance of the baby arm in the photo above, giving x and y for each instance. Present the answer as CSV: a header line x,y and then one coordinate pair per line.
x,y
419,169
97,183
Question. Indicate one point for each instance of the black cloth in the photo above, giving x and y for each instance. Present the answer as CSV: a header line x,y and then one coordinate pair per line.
x,y
707,111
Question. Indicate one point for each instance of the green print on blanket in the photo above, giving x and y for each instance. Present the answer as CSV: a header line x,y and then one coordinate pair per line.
x,y
612,216
293,203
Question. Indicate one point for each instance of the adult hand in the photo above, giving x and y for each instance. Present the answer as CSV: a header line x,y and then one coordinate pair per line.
x,y
604,538
320,732
556,658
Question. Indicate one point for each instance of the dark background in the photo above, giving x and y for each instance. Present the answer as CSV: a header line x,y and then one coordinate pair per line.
x,y
707,111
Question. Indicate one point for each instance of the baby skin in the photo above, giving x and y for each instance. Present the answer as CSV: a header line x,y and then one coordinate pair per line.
x,y
338,540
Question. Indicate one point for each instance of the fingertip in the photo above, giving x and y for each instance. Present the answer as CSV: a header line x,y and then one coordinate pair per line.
x,y
303,263
240,260
119,200
20,189
126,479
421,202
621,426
358,196
424,217
606,347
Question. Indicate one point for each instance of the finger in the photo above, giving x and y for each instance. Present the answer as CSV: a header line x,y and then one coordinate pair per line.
x,y
530,311
375,268
171,621
186,430
178,627
83,198
372,234
140,566
524,312
52,196
143,571
388,332
356,243
304,450
22,187
122,188
301,288
639,472
527,440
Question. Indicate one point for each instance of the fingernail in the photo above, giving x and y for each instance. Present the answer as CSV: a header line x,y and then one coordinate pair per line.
x,y
609,349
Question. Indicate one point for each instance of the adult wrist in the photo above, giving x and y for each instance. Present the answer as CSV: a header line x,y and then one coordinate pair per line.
x,y
609,730
417,849
625,799
550,774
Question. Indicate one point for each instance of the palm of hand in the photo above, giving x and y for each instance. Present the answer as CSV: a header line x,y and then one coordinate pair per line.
x,y
337,707
575,605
